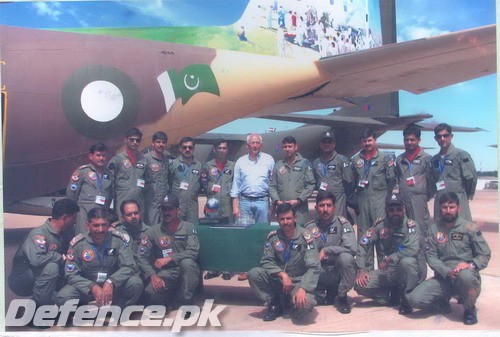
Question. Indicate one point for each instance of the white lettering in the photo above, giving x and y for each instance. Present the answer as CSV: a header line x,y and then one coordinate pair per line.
x,y
181,320
153,315
29,311
208,315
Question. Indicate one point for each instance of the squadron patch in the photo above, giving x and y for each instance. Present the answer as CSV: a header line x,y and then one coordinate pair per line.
x,y
384,233
440,237
53,247
214,171
142,250
70,255
360,163
164,241
364,241
282,170
155,167
144,240
92,175
369,233
127,164
73,187
40,240
88,255
279,246
70,267
308,236
75,176
315,232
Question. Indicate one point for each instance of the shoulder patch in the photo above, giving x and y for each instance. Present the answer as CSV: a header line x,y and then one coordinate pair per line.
x,y
271,234
77,238
343,220
411,223
123,236
82,167
308,236
379,220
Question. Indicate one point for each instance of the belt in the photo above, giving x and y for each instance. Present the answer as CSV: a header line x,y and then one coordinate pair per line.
x,y
250,197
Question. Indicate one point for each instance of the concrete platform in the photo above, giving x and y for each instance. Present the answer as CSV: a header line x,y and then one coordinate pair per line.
x,y
244,314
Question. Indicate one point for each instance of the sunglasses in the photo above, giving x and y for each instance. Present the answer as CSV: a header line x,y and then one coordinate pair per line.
x,y
187,147
446,135
134,140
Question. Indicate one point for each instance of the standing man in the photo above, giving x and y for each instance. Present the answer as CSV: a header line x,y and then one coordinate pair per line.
x,y
293,180
252,174
217,178
333,173
100,266
336,242
156,176
289,266
185,178
91,185
453,171
128,170
398,271
168,255
375,177
250,190
456,250
37,267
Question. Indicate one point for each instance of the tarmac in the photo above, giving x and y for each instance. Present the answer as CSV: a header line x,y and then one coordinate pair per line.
x,y
243,312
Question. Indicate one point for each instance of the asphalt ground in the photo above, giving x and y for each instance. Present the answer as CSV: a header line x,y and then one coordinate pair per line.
x,y
244,313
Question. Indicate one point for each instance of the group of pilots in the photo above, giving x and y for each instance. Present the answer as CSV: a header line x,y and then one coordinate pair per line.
x,y
146,249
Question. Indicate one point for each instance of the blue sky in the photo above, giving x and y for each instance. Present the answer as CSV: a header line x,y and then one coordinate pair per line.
x,y
470,103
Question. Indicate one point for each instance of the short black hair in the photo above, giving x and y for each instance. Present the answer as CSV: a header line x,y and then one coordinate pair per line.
x,y
322,195
447,197
284,208
289,140
133,132
128,201
412,129
220,141
64,206
99,147
441,127
160,135
186,139
98,213
367,133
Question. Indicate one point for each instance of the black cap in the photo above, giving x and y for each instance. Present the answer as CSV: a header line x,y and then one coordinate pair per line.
x,y
327,135
170,201
393,199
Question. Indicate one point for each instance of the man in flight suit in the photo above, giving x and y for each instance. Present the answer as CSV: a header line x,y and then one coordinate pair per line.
x,y
131,224
168,257
100,265
91,185
453,171
292,180
375,179
336,242
37,268
398,271
128,170
185,178
156,177
289,266
333,173
456,250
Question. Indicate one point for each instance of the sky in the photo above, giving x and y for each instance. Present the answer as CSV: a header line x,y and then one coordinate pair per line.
x,y
471,103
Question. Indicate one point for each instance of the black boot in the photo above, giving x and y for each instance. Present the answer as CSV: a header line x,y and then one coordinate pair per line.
x,y
343,305
274,310
395,296
470,316
405,308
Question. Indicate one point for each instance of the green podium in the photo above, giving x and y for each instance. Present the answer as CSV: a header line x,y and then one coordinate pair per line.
x,y
233,249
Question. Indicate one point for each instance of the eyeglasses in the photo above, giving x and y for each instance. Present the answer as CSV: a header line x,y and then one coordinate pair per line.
x,y
187,147
446,135
134,140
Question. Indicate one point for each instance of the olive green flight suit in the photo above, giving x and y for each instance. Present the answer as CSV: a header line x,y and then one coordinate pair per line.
x,y
402,246
37,267
88,265
157,185
183,273
335,176
446,247
217,184
297,257
375,179
292,183
338,241
185,180
128,180
458,172
89,189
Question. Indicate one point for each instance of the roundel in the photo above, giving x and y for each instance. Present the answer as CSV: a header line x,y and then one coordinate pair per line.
x,y
100,101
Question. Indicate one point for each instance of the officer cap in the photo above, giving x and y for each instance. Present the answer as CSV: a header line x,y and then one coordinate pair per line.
x,y
327,135
170,201
394,199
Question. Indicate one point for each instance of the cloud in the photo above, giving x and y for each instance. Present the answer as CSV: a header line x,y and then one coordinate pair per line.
x,y
48,9
154,9
414,32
